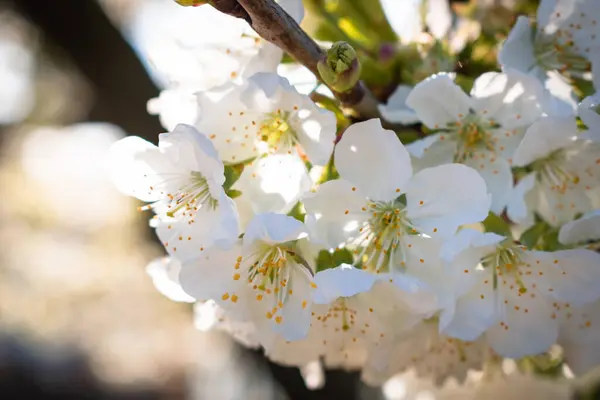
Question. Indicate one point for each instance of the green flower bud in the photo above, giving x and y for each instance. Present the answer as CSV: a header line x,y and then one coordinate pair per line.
x,y
340,68
191,3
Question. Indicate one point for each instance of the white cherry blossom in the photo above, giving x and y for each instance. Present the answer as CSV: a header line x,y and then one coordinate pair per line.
x,y
564,173
182,180
481,130
265,114
378,203
262,278
518,292
566,34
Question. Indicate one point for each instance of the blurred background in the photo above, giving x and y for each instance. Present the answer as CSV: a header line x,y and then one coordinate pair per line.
x,y
79,315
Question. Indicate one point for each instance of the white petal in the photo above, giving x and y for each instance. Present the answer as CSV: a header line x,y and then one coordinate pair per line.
x,y
438,18
273,228
190,149
264,91
174,106
440,199
568,275
335,213
497,174
164,272
184,238
512,98
419,148
517,208
474,312
544,137
209,275
373,159
466,239
227,121
342,281
136,167
316,129
294,8
586,228
404,17
274,183
296,309
517,51
580,339
524,325
561,100
438,100
396,110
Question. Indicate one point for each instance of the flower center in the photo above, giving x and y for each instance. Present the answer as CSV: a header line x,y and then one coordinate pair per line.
x,y
506,261
194,195
553,171
340,313
559,52
472,134
276,131
381,238
270,275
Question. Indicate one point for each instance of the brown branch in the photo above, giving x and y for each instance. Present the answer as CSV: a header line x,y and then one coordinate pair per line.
x,y
273,24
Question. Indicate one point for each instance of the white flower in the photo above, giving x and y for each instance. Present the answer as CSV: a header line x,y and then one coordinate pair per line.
x,y
271,184
353,312
519,291
565,173
584,229
481,131
164,272
432,355
265,114
263,278
396,110
182,179
378,203
566,34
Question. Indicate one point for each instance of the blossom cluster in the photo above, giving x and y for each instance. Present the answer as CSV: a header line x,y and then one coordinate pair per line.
x,y
320,237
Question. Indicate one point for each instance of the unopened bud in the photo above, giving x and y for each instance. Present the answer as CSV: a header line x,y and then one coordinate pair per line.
x,y
191,3
340,68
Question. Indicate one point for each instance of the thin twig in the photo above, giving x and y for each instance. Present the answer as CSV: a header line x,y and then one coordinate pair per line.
x,y
273,24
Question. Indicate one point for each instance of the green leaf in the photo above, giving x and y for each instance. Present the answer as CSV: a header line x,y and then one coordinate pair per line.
x,y
342,256
325,261
531,237
298,212
232,193
232,174
494,223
